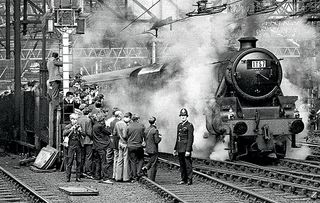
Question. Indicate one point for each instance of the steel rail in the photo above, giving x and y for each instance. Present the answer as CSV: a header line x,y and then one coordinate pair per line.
x,y
296,164
160,190
292,176
240,191
36,197
310,191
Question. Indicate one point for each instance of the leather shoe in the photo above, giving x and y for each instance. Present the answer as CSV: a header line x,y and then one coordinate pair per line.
x,y
181,183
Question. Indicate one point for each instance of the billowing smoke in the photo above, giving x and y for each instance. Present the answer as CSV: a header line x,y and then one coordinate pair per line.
x,y
106,30
288,34
219,152
193,46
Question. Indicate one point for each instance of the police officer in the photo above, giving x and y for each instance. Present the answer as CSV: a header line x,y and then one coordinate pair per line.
x,y
183,147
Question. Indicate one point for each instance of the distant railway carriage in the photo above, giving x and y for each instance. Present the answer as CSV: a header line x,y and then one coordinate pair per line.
x,y
250,106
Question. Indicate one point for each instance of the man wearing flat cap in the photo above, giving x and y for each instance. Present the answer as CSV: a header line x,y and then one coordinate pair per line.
x,y
136,136
183,147
152,140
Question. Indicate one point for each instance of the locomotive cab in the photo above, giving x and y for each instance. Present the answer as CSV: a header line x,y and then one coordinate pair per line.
x,y
252,108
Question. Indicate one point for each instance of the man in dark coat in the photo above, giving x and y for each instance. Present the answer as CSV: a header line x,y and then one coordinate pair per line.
x,y
152,140
136,136
86,143
183,147
102,144
74,132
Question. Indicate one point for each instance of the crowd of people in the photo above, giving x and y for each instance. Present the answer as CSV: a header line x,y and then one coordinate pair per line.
x,y
109,148
110,145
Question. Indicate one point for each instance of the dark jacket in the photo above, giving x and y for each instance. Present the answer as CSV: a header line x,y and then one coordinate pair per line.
x,y
135,133
184,137
152,139
101,136
74,134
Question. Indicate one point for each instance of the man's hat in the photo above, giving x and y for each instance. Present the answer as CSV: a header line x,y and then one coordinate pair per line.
x,y
135,117
152,119
128,114
82,106
118,113
183,112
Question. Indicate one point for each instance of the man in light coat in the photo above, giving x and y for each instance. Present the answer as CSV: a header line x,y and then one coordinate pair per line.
x,y
55,75
120,130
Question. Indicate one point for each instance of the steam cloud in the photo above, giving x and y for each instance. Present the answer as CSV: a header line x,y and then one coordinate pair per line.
x,y
288,34
193,46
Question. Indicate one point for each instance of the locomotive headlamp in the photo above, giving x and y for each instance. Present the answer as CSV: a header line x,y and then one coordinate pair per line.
x,y
296,113
231,114
240,128
296,127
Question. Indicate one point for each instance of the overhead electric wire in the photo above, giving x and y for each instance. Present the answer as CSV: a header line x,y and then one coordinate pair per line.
x,y
140,15
182,19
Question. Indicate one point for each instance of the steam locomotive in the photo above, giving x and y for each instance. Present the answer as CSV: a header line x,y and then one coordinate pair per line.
x,y
250,107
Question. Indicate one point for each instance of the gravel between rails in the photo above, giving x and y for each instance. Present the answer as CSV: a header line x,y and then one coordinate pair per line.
x,y
118,192
199,191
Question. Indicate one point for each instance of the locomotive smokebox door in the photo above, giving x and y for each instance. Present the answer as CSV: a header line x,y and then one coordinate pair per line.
x,y
251,104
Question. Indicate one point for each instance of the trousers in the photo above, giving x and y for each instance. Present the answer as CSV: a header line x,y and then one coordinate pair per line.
x,y
74,149
136,159
185,167
115,162
152,166
56,87
86,159
106,157
122,171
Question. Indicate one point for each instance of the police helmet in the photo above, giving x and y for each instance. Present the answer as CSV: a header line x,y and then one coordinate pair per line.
x,y
183,112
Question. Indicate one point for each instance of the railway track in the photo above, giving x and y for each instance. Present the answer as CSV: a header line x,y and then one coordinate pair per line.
x,y
205,188
268,179
14,190
315,150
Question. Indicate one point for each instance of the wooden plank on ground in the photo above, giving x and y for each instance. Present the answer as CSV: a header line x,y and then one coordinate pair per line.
x,y
79,191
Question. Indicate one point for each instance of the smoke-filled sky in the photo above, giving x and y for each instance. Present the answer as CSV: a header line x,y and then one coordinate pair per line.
x,y
194,44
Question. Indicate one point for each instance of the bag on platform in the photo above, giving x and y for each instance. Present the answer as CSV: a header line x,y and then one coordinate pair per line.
x,y
65,141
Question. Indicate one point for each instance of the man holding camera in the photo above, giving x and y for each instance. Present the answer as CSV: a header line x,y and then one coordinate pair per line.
x,y
73,133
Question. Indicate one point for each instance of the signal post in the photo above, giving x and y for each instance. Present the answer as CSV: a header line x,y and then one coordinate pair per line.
x,y
67,21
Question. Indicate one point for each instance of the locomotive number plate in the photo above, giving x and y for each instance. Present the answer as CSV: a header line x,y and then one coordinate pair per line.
x,y
252,64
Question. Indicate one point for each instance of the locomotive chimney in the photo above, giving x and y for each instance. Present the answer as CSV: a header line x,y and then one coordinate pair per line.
x,y
247,42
